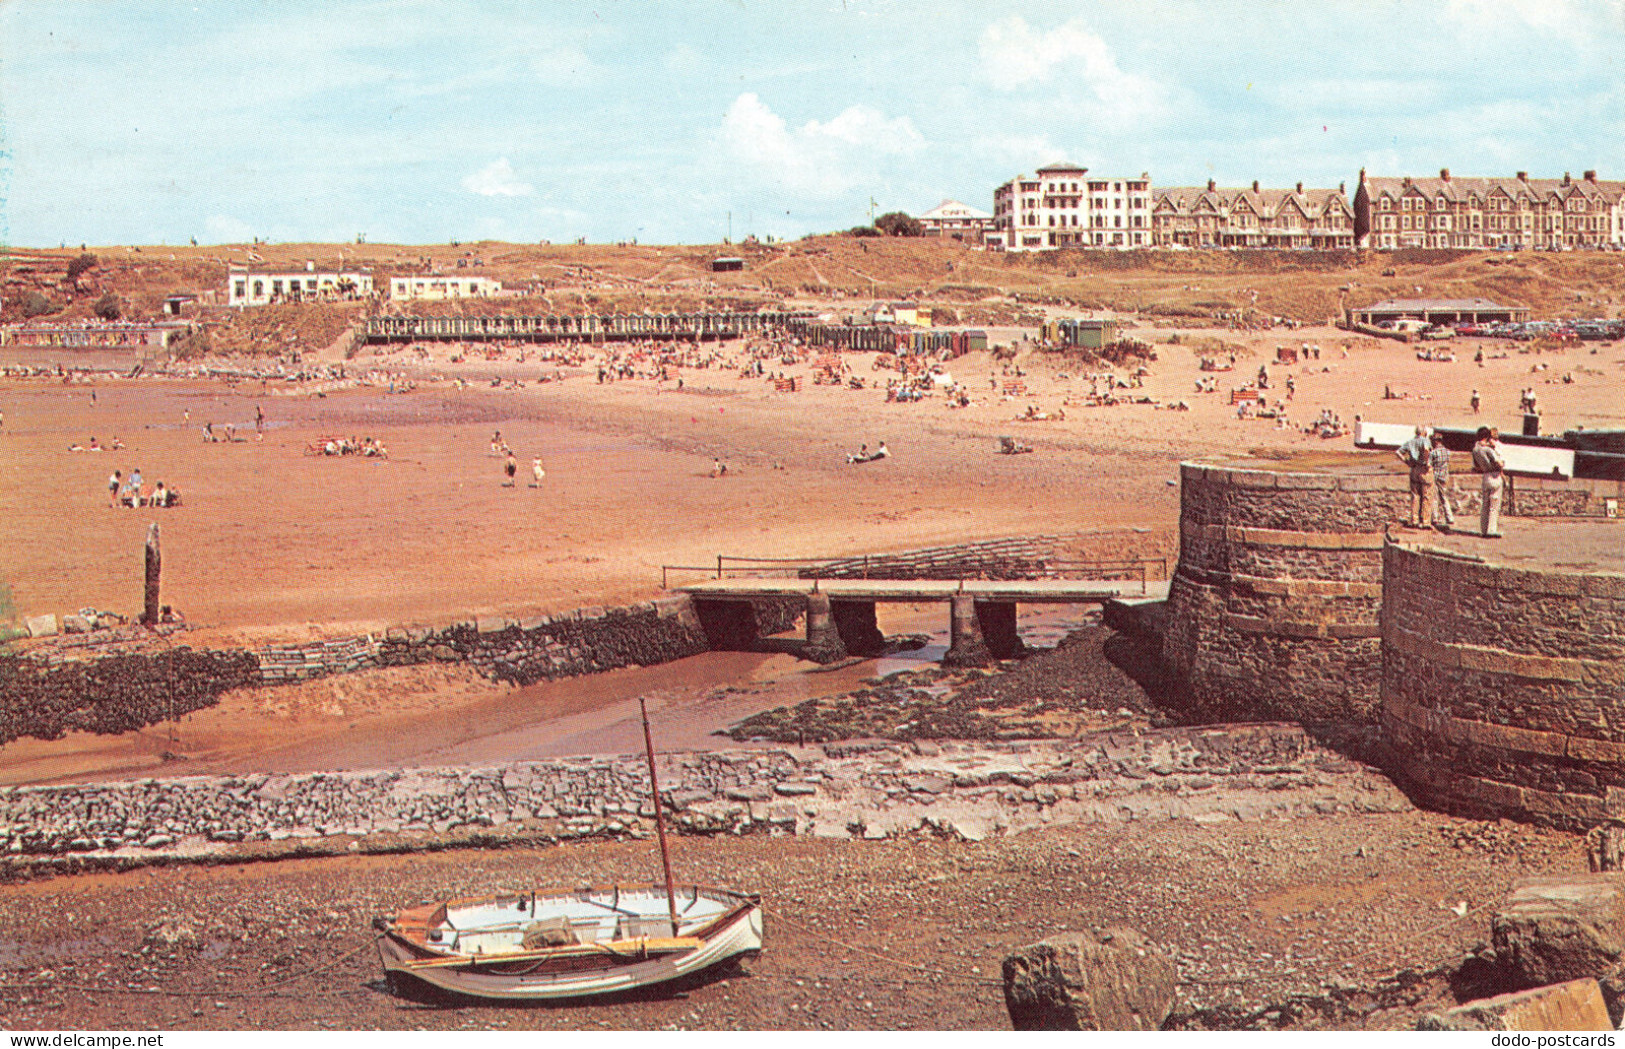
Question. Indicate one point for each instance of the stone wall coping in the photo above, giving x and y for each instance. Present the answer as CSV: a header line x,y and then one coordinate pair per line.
x,y
1486,660
1477,570
1285,537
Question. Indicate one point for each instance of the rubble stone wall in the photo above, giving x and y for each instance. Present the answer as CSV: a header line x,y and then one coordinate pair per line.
x,y
1503,689
1273,610
51,689
866,790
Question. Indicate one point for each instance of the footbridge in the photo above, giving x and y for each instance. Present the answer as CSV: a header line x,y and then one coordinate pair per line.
x,y
840,610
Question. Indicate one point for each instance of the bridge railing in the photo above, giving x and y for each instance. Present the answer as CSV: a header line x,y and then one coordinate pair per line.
x,y
884,566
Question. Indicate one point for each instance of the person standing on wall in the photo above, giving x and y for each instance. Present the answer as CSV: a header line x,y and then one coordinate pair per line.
x,y
1488,461
1417,453
1444,516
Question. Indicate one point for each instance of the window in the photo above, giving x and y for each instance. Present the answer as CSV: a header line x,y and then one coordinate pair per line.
x,y
259,289
242,288
276,287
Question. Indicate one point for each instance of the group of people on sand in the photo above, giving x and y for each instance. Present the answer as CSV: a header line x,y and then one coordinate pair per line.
x,y
864,455
370,447
130,491
97,446
1429,462
510,464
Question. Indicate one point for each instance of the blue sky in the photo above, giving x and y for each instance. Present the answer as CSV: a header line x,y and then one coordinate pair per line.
x,y
418,121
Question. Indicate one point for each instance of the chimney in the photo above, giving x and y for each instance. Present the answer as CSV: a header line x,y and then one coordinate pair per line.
x,y
1523,176
1566,179
1342,188
1444,174
1210,186
1591,176
1255,185
1300,187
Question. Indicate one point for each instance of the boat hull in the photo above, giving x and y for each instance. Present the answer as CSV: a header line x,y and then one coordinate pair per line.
x,y
589,971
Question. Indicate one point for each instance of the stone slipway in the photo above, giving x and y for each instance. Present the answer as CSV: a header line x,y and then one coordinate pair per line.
x,y
848,790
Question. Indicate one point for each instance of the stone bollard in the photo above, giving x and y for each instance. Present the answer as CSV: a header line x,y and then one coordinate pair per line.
x,y
823,640
966,648
1605,846
1111,979
155,564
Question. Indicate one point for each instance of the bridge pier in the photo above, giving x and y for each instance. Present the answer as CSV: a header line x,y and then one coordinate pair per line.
x,y
824,643
998,622
860,632
966,646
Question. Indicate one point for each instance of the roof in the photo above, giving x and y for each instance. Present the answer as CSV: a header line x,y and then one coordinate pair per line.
x,y
1266,201
1060,166
953,209
1394,305
1458,187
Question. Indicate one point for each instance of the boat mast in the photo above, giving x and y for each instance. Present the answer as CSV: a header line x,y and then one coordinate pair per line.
x,y
660,820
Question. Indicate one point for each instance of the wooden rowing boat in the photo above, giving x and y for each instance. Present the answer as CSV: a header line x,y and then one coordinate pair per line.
x,y
567,944
580,944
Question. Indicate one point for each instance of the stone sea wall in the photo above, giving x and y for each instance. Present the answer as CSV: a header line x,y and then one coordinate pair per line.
x,y
837,790
67,685
1504,688
1273,609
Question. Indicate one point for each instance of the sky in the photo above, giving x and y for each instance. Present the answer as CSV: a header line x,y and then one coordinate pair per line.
x,y
425,121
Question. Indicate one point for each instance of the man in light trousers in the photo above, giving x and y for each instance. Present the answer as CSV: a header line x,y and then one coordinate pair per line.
x,y
1444,516
1487,460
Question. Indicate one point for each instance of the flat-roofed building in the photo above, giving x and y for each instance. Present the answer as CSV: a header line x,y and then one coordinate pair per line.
x,y
1519,213
1063,206
1438,311
1214,216
246,287
435,287
953,220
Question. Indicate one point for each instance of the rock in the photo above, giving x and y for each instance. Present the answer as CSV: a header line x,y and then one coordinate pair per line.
x,y
41,626
1605,847
1558,928
76,625
795,789
173,934
1573,1006
1111,979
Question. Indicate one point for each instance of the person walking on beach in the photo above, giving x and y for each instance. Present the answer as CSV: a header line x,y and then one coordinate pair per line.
x,y
536,473
510,468
1444,516
1475,401
1488,461
1416,453
113,484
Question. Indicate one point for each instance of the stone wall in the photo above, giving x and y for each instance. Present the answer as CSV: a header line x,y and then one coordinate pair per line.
x,y
1273,609
1503,689
1543,497
1015,557
52,688
838,790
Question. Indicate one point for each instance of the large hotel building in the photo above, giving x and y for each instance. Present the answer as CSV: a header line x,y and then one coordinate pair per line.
x,y
1219,217
1062,205
1516,213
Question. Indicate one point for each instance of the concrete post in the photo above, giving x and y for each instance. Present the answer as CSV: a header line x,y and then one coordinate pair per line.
x,y
998,622
965,645
860,633
155,564
823,640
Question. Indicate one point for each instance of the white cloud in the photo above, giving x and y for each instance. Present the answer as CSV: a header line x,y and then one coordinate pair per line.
x,y
1565,19
822,157
1014,55
497,179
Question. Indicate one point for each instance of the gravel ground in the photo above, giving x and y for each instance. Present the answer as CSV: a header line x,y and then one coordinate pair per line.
x,y
1057,693
1323,909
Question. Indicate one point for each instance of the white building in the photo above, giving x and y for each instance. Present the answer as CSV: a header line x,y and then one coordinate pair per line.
x,y
435,287
1062,206
953,219
262,287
